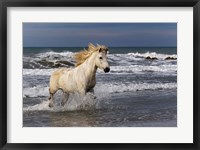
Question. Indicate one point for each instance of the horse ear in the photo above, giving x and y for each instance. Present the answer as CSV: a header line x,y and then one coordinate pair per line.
x,y
100,50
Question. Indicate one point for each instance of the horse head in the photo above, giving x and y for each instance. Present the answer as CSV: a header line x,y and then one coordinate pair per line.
x,y
102,59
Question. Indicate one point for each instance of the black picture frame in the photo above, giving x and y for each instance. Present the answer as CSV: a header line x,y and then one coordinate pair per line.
x,y
4,4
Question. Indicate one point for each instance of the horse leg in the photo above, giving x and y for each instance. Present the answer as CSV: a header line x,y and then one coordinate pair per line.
x,y
51,103
91,92
83,92
65,98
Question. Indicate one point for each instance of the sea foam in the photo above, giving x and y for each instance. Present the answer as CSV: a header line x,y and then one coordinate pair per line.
x,y
43,91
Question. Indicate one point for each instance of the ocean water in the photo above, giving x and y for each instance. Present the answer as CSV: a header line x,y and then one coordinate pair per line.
x,y
137,92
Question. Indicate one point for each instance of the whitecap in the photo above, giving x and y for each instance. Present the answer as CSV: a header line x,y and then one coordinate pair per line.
x,y
152,54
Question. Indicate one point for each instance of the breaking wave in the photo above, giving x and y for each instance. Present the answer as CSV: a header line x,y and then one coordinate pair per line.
x,y
52,59
40,91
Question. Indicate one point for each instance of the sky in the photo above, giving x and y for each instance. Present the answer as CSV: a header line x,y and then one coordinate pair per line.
x,y
109,34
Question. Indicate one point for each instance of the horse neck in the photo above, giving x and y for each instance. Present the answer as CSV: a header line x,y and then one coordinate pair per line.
x,y
90,66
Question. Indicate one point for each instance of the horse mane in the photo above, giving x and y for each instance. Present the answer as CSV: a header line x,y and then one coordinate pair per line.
x,y
81,56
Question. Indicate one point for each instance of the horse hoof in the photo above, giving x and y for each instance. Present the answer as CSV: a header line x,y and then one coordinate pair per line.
x,y
50,105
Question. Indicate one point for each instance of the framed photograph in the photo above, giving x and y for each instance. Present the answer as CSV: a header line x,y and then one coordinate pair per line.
x,y
103,74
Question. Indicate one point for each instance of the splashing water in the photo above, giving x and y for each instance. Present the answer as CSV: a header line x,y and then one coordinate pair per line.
x,y
75,102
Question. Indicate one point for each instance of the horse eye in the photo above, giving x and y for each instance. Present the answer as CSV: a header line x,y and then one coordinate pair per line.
x,y
100,58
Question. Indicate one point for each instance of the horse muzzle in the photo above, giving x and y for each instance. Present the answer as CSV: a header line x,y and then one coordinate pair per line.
x,y
107,69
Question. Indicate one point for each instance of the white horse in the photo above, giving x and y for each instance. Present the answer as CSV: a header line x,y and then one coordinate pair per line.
x,y
82,78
